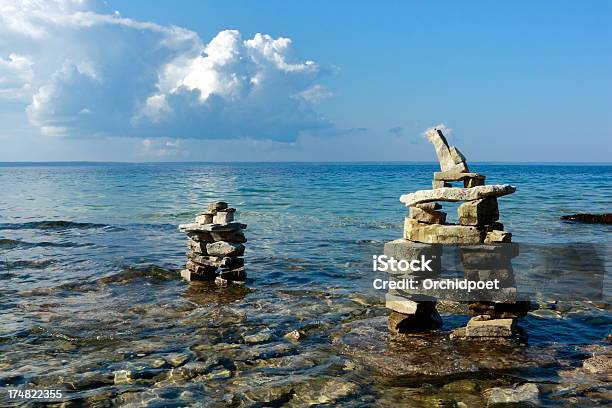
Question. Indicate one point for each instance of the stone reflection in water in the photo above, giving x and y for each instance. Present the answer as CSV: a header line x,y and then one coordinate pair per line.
x,y
494,312
411,310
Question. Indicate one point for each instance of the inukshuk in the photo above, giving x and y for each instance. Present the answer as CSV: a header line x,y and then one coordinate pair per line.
x,y
216,246
478,230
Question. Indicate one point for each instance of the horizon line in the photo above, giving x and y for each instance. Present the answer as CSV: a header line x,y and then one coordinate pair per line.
x,y
102,162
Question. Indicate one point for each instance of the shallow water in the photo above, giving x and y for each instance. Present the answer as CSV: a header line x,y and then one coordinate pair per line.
x,y
91,302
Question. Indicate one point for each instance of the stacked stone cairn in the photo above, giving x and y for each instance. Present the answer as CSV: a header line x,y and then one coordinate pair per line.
x,y
215,246
478,230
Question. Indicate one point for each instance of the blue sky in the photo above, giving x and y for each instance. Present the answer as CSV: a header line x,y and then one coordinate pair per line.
x,y
200,80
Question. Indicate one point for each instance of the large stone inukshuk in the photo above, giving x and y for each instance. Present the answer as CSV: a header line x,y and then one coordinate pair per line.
x,y
426,230
216,246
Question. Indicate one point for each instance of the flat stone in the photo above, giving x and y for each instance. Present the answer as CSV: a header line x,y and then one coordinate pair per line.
x,y
222,248
483,326
217,261
201,236
406,306
194,227
231,236
456,176
445,157
457,194
204,259
204,218
441,234
495,237
429,206
479,212
223,217
427,216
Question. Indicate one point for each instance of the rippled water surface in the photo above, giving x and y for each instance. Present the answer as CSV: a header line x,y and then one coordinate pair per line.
x,y
91,301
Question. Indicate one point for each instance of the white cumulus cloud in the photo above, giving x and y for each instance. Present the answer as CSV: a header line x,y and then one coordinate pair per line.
x,y
83,70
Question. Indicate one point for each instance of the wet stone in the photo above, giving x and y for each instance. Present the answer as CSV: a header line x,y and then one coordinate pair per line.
x,y
599,364
235,274
409,323
371,344
406,306
484,326
222,248
201,269
496,237
526,393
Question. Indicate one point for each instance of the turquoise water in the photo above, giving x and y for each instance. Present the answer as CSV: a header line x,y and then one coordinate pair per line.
x,y
89,254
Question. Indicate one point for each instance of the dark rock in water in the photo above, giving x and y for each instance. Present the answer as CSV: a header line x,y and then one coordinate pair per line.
x,y
589,218
402,323
432,353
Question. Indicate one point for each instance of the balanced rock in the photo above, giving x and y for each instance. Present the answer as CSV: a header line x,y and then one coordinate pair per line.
x,y
449,160
427,216
456,194
441,234
428,206
479,212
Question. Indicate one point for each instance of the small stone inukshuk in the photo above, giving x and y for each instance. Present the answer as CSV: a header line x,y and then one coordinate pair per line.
x,y
216,246
478,229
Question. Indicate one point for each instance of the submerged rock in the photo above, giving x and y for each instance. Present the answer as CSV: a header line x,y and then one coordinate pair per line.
x,y
526,393
432,353
589,218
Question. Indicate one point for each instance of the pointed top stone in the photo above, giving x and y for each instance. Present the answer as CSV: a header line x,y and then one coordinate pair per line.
x,y
450,158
